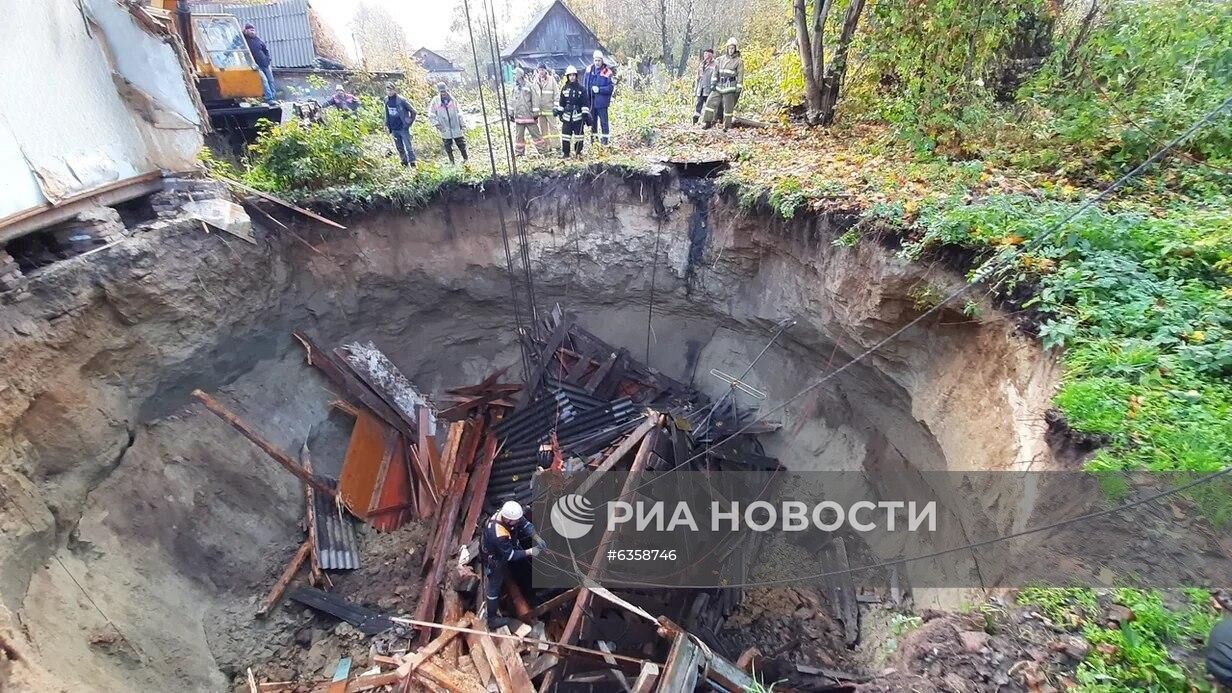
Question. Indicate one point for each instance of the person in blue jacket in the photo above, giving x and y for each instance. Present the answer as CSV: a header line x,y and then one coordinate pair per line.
x,y
399,117
599,83
503,542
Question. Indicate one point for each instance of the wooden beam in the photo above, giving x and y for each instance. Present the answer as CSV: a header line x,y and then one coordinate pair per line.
x,y
426,608
496,661
517,670
477,490
545,359
480,659
647,678
573,626
277,455
598,377
681,668
284,203
415,659
351,385
616,455
555,602
310,517
288,574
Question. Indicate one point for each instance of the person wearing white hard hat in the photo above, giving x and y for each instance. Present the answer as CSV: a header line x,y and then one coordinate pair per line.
x,y
573,109
504,536
599,83
727,83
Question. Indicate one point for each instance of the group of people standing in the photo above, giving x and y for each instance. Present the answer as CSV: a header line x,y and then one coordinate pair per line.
x,y
443,112
538,100
579,102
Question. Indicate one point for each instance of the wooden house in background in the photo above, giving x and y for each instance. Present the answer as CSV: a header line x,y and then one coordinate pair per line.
x,y
556,38
440,68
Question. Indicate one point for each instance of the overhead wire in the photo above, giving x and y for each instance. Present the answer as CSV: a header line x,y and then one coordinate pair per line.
x,y
517,191
500,204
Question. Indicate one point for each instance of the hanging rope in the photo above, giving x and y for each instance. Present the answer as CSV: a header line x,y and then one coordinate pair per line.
x,y
516,189
500,203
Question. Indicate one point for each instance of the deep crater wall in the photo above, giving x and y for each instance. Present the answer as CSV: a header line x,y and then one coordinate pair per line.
x,y
173,524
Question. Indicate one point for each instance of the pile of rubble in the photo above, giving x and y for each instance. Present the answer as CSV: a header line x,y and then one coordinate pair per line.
x,y
586,408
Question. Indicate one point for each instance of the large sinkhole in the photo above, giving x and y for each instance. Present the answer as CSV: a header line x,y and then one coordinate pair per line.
x,y
175,526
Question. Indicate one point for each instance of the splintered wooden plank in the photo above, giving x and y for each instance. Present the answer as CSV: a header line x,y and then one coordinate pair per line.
x,y
513,663
288,574
477,490
680,670
282,458
370,442
496,662
545,360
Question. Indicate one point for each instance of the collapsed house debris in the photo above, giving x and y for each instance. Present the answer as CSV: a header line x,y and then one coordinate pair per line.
x,y
586,407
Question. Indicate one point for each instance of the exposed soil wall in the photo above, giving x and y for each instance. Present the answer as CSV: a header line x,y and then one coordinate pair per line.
x,y
173,524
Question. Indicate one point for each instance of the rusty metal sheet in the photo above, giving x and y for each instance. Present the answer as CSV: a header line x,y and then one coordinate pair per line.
x,y
371,440
393,490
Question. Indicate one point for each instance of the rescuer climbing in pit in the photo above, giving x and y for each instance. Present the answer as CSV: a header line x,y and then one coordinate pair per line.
x,y
574,112
1219,653
504,536
728,82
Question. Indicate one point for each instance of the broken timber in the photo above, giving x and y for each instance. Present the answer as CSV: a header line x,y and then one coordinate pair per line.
x,y
282,458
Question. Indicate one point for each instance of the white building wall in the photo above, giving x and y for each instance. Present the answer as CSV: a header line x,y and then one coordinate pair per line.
x,y
89,98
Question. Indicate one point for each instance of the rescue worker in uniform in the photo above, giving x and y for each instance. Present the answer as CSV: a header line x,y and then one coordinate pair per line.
x,y
727,84
701,88
599,83
573,109
503,537
544,84
525,111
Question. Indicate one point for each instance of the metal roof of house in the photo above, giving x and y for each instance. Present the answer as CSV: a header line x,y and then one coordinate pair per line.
x,y
283,25
515,47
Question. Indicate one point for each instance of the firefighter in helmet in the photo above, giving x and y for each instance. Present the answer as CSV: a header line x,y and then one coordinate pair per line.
x,y
728,82
503,538
573,110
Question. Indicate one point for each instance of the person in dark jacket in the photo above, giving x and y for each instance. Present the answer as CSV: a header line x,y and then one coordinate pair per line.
x,y
701,87
399,116
504,536
573,109
261,54
1219,653
599,83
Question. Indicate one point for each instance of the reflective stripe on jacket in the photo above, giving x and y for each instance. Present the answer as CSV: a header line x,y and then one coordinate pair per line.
x,y
545,95
728,73
525,107
573,103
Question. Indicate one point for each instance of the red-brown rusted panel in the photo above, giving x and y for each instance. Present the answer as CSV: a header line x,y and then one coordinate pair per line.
x,y
394,490
369,441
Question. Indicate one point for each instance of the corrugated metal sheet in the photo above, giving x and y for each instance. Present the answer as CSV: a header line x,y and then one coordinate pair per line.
x,y
337,545
282,25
